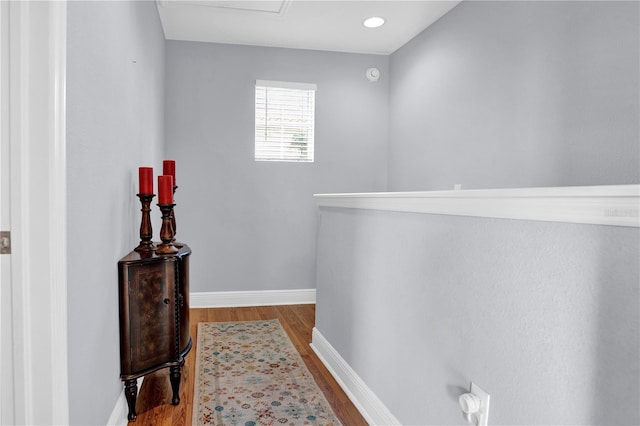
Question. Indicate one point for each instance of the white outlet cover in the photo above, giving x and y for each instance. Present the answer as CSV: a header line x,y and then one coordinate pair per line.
x,y
483,414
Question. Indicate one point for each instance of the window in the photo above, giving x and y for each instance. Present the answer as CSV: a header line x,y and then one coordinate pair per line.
x,y
284,121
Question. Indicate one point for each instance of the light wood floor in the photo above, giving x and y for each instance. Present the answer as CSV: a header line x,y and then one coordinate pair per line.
x,y
154,401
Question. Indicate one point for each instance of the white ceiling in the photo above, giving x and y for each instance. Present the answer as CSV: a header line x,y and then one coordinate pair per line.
x,y
304,24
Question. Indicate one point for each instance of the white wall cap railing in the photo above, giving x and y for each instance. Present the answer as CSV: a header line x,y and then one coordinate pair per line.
x,y
617,205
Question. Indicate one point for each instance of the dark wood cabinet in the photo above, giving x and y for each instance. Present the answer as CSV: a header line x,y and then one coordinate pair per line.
x,y
154,318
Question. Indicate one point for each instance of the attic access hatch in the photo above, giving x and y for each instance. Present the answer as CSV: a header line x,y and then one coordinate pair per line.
x,y
264,7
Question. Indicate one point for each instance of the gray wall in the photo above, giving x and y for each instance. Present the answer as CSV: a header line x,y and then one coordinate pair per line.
x,y
115,107
252,225
544,316
518,94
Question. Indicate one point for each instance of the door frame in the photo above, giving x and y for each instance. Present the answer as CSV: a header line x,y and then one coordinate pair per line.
x,y
6,330
37,140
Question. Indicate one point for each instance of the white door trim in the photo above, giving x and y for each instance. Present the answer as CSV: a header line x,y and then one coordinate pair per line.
x,y
58,217
38,210
6,329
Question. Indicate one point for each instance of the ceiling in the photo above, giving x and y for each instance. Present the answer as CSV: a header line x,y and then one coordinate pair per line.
x,y
304,24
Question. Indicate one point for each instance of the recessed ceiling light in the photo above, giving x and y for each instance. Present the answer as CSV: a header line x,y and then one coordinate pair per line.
x,y
373,22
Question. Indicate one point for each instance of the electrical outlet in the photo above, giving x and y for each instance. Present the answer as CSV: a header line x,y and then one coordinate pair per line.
x,y
482,415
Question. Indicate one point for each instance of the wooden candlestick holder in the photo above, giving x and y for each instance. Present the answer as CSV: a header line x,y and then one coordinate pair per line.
x,y
173,217
173,224
146,233
166,231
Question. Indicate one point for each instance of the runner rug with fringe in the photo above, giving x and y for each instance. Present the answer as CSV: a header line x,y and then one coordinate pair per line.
x,y
248,373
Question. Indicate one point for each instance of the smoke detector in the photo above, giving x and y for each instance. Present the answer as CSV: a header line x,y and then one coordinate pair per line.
x,y
373,74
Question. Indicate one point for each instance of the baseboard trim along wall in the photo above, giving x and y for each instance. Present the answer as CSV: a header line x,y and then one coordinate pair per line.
x,y
615,205
369,405
228,299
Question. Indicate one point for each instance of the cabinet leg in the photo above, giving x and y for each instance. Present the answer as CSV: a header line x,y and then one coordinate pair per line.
x,y
131,392
175,376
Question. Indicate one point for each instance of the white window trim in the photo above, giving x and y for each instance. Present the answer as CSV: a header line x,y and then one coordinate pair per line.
x,y
287,85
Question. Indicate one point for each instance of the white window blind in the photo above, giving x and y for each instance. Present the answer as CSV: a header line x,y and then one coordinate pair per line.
x,y
285,116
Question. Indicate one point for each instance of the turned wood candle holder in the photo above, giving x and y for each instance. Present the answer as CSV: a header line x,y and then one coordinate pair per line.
x,y
173,216
146,233
166,231
173,224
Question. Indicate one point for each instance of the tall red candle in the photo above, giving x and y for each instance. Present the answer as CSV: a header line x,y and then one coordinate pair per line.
x,y
165,189
169,168
145,180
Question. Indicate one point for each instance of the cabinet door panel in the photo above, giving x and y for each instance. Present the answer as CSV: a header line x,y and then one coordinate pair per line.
x,y
184,311
152,313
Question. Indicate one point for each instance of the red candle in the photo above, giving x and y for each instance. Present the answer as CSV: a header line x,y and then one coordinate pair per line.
x,y
169,168
145,180
165,189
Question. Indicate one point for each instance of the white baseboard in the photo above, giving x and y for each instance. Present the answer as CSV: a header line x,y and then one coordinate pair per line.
x,y
369,405
227,299
121,410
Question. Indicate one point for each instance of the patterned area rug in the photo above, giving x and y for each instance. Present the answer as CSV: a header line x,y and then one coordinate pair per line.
x,y
249,373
